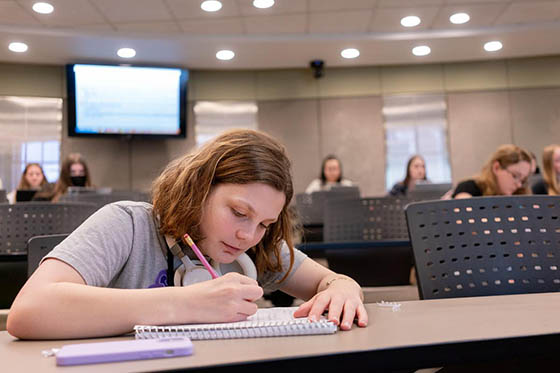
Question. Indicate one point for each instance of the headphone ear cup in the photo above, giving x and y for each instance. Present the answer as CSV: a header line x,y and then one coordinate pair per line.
x,y
243,264
190,273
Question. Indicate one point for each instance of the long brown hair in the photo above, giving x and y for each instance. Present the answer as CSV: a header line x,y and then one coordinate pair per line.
x,y
236,157
505,155
408,177
549,173
24,184
64,180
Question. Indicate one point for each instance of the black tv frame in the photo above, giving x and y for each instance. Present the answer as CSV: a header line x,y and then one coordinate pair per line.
x,y
71,110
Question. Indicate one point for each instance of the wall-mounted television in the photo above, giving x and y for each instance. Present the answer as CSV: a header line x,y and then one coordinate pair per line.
x,y
123,100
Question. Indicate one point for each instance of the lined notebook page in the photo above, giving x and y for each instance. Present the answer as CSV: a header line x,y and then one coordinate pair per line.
x,y
267,322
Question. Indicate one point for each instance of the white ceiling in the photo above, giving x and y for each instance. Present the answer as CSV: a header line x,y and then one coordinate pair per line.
x,y
290,34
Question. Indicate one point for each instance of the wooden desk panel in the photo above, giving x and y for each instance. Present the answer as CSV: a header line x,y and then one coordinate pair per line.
x,y
422,334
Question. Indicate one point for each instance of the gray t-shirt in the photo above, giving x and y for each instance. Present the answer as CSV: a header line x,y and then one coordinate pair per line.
x,y
118,247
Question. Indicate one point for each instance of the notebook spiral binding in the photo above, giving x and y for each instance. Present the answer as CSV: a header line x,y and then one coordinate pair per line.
x,y
237,330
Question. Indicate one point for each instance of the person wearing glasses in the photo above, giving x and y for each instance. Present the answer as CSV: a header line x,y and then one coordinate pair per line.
x,y
505,173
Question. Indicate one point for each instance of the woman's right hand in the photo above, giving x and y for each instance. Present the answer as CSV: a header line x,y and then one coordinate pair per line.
x,y
228,298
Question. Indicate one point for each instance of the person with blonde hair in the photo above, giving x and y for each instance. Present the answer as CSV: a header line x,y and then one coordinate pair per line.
x,y
232,198
32,178
73,172
505,173
550,182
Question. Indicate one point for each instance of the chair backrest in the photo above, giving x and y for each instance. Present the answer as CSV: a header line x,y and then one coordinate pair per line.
x,y
365,219
38,247
427,192
21,221
486,245
311,207
102,199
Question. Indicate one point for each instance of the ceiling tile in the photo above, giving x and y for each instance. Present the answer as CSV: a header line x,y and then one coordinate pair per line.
x,y
225,26
407,3
68,13
133,10
322,5
186,9
289,24
280,7
534,11
11,13
345,22
157,27
389,19
481,15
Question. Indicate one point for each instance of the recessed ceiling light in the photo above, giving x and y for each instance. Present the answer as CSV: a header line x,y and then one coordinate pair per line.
x,y
421,50
410,21
493,46
350,53
459,18
211,5
225,55
263,4
126,52
43,8
17,47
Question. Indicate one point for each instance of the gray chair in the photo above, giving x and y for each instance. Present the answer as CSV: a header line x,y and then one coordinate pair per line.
x,y
104,198
366,219
486,246
3,196
22,221
371,239
38,247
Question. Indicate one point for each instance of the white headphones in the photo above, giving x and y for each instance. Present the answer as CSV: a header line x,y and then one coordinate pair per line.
x,y
192,271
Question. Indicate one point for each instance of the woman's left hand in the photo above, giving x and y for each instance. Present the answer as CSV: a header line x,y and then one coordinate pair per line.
x,y
342,296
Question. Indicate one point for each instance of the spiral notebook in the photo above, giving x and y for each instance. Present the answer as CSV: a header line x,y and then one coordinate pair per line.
x,y
267,322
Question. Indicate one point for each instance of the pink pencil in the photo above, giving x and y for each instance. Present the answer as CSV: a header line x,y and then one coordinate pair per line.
x,y
201,257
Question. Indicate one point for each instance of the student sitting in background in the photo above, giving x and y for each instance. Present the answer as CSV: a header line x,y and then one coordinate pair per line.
x,y
74,172
331,175
415,172
550,183
232,197
505,173
32,178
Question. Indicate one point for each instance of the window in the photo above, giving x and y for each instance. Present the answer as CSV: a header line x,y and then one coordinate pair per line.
x,y
30,130
416,124
215,117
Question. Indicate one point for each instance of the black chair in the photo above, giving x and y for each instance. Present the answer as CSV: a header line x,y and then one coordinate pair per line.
x,y
38,247
371,239
22,221
103,198
311,209
486,245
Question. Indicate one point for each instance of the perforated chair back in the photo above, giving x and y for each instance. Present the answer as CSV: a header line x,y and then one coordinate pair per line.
x,y
365,219
486,245
38,247
102,199
21,221
311,207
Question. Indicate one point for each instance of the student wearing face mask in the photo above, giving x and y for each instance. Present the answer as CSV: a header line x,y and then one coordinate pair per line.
x,y
505,173
74,172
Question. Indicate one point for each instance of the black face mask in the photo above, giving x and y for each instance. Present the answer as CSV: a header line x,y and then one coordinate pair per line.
x,y
79,181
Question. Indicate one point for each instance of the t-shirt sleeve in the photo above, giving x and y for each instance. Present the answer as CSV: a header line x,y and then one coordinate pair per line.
x,y
468,186
270,280
99,248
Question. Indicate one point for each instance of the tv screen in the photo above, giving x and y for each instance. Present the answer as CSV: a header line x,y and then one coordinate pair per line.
x,y
114,100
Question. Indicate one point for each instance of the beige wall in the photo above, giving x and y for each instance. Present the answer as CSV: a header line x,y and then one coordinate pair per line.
x,y
489,103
